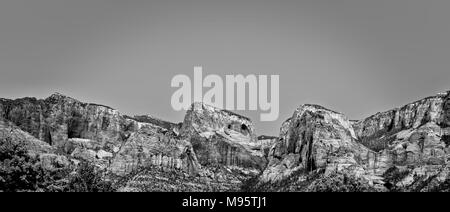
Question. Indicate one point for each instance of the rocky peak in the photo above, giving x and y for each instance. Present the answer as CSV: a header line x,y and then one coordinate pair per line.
x,y
327,115
205,119
58,96
313,138
221,137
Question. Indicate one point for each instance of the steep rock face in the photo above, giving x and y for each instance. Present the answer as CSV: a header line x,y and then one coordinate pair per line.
x,y
59,118
222,137
411,116
82,131
265,143
219,149
33,145
36,148
151,147
403,149
413,135
317,138
205,119
446,111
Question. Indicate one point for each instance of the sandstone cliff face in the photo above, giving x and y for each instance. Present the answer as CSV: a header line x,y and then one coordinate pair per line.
x,y
152,148
411,138
213,150
80,130
205,120
36,148
33,145
411,142
411,116
265,144
314,138
220,137
59,118
121,144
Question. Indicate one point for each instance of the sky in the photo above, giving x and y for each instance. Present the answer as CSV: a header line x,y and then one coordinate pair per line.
x,y
357,57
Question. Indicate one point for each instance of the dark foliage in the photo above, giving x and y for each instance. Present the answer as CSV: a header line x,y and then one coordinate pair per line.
x,y
88,179
379,140
339,182
446,140
394,175
21,172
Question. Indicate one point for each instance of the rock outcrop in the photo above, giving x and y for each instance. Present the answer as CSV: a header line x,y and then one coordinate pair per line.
x,y
314,138
410,143
411,116
33,145
36,148
220,137
59,118
151,148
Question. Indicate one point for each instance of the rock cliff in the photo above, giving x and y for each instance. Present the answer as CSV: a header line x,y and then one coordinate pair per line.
x,y
222,137
400,149
210,146
314,138
404,149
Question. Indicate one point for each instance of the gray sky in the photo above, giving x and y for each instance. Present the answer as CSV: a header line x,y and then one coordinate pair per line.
x,y
353,56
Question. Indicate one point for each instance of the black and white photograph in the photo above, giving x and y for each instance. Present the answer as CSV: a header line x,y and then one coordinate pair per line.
x,y
233,96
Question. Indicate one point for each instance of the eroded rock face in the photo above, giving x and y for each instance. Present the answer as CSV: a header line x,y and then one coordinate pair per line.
x,y
33,145
412,140
83,131
36,148
59,118
314,138
446,111
222,137
151,148
265,144
411,116
413,135
205,119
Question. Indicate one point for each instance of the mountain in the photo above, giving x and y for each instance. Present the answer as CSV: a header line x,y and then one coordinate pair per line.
x,y
214,147
404,149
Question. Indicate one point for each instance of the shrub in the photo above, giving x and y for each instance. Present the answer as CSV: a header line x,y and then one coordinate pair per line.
x,y
339,182
88,179
394,175
18,170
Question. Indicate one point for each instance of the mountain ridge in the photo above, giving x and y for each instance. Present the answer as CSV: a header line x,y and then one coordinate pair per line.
x,y
314,146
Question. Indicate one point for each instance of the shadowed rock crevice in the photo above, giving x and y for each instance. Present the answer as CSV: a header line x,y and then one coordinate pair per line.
x,y
77,126
446,140
446,112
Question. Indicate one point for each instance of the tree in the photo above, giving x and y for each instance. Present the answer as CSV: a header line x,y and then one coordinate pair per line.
x,y
18,170
88,179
